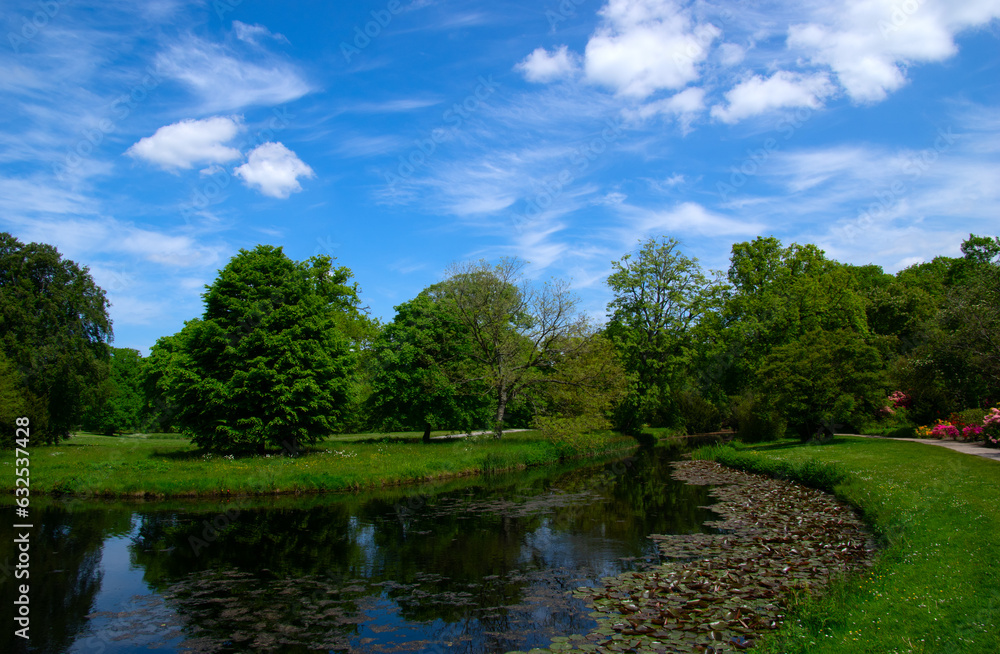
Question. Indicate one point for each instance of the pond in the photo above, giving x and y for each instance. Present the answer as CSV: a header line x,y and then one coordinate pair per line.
x,y
482,564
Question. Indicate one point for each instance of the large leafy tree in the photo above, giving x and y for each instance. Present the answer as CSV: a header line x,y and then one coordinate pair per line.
x,y
780,294
268,364
55,330
585,383
659,296
518,329
824,380
124,404
423,375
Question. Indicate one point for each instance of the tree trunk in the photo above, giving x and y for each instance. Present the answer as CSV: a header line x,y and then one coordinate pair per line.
x,y
427,432
501,409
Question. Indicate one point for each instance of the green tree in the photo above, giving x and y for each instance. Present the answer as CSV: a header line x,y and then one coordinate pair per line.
x,y
517,329
269,362
13,403
824,379
55,330
659,296
584,384
780,294
423,377
124,406
952,361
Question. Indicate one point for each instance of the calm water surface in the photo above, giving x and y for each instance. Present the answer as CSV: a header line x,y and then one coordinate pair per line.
x,y
476,565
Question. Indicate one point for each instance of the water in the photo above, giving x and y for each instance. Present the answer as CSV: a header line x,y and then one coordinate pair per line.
x,y
475,565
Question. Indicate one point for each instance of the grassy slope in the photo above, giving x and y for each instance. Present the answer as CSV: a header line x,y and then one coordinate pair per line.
x,y
936,586
170,466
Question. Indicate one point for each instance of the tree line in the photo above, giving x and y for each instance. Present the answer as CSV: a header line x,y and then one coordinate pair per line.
x,y
786,341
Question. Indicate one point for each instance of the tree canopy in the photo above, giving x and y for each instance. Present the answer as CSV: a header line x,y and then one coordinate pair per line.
x,y
518,329
268,364
122,406
659,296
422,373
55,331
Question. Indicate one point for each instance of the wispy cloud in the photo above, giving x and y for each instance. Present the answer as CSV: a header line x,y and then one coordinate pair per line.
x,y
225,80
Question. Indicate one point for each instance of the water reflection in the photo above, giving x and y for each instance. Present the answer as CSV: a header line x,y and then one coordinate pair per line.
x,y
476,565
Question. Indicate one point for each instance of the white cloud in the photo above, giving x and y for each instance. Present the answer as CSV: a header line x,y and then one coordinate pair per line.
x,y
252,33
644,46
190,142
781,90
731,54
86,239
869,43
274,170
227,82
540,66
393,106
685,218
685,105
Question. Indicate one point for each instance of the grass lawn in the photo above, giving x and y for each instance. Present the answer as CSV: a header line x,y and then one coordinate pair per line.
x,y
936,585
166,465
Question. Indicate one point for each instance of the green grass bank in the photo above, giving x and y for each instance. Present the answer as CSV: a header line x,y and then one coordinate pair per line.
x,y
936,584
164,465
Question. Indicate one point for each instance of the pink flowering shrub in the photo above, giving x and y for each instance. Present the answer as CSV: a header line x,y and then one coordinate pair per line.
x,y
943,430
992,418
900,400
972,432
991,428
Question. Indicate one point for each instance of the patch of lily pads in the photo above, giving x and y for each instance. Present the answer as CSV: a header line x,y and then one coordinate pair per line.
x,y
715,593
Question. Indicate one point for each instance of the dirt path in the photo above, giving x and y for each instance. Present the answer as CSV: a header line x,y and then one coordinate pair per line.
x,y
965,448
475,433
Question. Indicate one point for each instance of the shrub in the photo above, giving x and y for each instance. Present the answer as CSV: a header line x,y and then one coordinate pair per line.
x,y
755,423
991,428
700,415
900,400
972,432
944,430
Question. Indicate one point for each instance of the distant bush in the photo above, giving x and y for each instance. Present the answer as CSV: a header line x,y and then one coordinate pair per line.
x,y
754,422
700,416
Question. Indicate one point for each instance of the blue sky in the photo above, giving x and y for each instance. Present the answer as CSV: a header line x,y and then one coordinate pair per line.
x,y
150,141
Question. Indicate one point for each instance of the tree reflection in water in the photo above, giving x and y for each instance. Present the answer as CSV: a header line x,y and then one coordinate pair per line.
x,y
475,565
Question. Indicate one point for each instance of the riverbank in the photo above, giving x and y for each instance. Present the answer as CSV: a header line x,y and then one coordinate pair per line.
x,y
935,587
163,466
721,592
